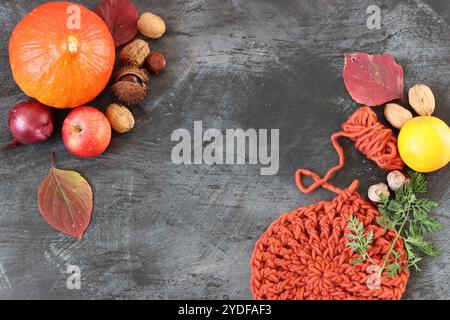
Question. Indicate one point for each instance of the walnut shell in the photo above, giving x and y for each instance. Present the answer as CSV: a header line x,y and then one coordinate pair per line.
x,y
422,100
135,53
120,117
151,25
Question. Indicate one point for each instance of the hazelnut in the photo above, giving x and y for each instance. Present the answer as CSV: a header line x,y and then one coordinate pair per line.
x,y
131,85
151,25
376,191
135,53
396,115
155,62
120,117
421,99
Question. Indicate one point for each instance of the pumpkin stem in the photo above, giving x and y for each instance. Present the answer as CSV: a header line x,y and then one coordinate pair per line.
x,y
73,44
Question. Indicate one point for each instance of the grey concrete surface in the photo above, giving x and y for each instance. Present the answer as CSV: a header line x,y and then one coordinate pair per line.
x,y
161,231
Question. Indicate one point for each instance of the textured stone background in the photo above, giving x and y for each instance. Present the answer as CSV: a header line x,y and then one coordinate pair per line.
x,y
161,231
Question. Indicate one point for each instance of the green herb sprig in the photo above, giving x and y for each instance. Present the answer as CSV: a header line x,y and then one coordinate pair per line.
x,y
408,215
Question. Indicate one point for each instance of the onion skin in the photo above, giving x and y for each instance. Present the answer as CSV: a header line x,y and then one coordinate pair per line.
x,y
30,122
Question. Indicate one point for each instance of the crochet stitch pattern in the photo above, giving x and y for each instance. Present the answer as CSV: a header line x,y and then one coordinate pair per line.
x,y
304,253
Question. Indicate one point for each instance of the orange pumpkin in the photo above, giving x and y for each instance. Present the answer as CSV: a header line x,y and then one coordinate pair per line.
x,y
62,54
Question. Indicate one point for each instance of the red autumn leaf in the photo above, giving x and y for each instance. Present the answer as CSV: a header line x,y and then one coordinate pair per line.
x,y
121,17
373,80
65,201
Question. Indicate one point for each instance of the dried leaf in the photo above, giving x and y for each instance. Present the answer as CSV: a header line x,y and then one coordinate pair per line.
x,y
373,80
121,17
65,201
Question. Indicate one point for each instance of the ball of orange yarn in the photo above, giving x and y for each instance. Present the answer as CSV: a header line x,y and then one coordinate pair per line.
x,y
372,138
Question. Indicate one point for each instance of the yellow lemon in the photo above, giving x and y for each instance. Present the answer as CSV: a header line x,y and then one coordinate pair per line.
x,y
424,143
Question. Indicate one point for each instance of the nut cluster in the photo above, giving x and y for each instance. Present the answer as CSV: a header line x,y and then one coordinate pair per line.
x,y
422,101
395,180
131,81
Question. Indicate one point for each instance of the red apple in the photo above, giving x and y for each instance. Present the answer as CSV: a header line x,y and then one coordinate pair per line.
x,y
86,132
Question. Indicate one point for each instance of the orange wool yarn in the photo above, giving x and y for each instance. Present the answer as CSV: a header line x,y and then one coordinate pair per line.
x,y
304,253
372,138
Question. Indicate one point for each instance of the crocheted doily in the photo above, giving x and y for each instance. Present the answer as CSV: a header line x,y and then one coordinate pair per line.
x,y
304,254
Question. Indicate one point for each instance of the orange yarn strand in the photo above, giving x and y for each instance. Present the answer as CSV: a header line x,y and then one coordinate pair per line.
x,y
372,138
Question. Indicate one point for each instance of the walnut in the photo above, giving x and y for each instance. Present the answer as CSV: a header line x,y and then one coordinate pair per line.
x,y
135,53
120,117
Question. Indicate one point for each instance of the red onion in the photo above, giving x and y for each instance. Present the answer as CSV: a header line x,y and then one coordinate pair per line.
x,y
30,122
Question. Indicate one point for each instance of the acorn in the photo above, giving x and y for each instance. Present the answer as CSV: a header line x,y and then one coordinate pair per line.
x,y
130,85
